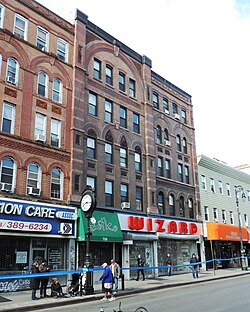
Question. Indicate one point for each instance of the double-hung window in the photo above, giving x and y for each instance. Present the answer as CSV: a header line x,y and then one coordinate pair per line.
x,y
121,82
62,49
123,117
109,193
56,184
55,133
42,86
131,88
33,176
136,123
20,27
12,70
109,75
92,104
97,69
57,90
7,172
42,39
8,118
1,15
40,127
108,111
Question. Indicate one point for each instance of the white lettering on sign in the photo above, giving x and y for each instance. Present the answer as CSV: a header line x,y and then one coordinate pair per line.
x,y
10,208
40,212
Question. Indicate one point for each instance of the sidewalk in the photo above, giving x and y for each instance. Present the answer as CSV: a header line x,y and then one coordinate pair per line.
x,y
21,301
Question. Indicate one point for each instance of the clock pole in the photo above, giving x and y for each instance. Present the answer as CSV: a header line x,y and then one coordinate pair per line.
x,y
88,204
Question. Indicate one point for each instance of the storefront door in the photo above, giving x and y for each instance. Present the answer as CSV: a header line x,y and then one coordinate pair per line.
x,y
38,255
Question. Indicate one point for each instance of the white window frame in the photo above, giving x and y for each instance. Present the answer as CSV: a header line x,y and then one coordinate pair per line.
x,y
12,73
60,52
43,42
2,9
206,213
220,185
17,29
12,117
212,185
231,217
40,125
215,214
246,219
42,74
55,131
57,92
224,215
13,182
61,184
228,190
34,176
203,182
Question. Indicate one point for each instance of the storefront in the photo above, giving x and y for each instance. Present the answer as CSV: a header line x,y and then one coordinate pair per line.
x,y
153,238
32,231
222,241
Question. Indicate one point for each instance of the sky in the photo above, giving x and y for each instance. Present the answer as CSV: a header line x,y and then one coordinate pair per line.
x,y
201,46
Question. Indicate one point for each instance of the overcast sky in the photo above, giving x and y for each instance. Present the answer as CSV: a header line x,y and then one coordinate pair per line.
x,y
201,46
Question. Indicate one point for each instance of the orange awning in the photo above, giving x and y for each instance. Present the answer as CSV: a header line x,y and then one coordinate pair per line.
x,y
228,232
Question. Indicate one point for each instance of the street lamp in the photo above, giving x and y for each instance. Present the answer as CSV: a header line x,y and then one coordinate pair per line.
x,y
88,204
239,189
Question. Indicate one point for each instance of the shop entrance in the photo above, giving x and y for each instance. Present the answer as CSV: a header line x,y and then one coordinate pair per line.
x,y
38,255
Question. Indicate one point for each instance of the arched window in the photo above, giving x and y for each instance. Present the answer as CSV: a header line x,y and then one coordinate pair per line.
x,y
12,70
56,184
171,204
182,206
137,159
160,203
91,144
178,143
166,137
158,135
123,153
109,148
57,90
184,145
191,208
33,178
7,173
42,84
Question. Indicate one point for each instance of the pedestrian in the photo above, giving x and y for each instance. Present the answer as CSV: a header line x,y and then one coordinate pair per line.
x,y
43,268
107,281
115,268
194,265
140,263
169,263
35,281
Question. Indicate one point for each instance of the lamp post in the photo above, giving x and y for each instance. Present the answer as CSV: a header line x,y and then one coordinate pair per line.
x,y
88,204
239,189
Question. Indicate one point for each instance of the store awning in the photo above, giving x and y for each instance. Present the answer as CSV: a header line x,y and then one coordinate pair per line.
x,y
225,232
104,227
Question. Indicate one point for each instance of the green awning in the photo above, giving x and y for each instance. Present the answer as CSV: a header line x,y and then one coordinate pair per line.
x,y
104,226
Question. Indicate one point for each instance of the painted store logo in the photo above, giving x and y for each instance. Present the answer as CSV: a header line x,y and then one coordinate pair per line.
x,y
161,225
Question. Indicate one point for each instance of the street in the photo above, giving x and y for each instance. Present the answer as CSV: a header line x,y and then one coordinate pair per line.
x,y
226,295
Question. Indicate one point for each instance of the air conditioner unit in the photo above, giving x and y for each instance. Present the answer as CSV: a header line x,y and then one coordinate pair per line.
x,y
125,205
40,137
34,191
6,187
168,143
166,111
177,116
11,79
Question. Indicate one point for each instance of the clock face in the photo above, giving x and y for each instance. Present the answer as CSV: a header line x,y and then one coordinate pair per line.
x,y
86,202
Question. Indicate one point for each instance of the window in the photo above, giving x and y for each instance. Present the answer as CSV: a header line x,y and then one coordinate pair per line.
x,y
8,118
166,137
223,215
56,187
108,193
248,195
1,15
123,153
57,90
158,135
8,171
33,176
186,174
155,100
42,39
212,185
167,168
183,116
109,75
55,133
108,111
122,82
160,203
220,187
215,214
91,181
123,117
182,206
138,199
40,126
180,172
165,106
136,123
228,190
191,208
160,167
62,50
178,143
97,69
184,145
124,193
20,27
231,217
138,159
91,147
246,219
174,108
108,152
131,88
171,205
92,104
77,182
42,86
206,213
12,71
203,182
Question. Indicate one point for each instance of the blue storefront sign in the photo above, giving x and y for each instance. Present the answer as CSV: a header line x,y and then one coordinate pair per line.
x,y
35,217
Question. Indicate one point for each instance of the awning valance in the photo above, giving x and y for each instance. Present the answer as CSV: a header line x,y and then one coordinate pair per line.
x,y
228,232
